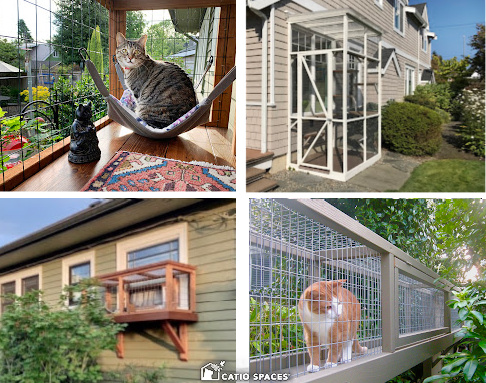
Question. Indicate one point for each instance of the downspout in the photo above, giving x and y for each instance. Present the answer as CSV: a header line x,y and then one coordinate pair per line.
x,y
264,111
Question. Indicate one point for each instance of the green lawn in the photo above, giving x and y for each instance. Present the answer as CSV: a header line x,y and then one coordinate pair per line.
x,y
447,176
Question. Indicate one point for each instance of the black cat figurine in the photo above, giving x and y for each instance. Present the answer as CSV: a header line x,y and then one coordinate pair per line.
x,y
84,143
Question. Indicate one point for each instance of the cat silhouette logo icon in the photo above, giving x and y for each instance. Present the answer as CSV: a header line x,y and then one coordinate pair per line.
x,y
212,371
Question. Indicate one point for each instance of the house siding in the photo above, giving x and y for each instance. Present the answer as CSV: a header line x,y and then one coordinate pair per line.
x,y
212,250
408,46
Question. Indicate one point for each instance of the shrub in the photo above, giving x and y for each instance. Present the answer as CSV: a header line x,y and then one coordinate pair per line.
x,y
411,129
469,362
421,99
284,334
40,344
38,93
137,374
470,107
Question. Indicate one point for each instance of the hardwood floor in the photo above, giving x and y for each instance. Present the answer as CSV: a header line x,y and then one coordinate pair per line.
x,y
200,144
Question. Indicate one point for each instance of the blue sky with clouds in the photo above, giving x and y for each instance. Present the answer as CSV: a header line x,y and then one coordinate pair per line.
x,y
22,216
451,20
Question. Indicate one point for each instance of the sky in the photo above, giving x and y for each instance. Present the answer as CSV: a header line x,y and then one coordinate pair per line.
x,y
22,216
451,20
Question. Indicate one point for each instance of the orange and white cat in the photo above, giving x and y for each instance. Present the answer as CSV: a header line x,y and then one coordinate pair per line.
x,y
331,316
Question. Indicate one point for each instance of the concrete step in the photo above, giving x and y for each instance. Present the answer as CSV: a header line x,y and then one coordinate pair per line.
x,y
261,185
253,175
255,157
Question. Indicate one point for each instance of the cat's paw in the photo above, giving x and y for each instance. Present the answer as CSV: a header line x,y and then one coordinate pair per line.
x,y
363,350
329,365
312,368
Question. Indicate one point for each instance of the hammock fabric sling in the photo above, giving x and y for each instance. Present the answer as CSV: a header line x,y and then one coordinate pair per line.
x,y
124,116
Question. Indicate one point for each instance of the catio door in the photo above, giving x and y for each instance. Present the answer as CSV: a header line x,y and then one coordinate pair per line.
x,y
312,109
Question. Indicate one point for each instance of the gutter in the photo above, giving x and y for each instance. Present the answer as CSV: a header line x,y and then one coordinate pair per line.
x,y
264,94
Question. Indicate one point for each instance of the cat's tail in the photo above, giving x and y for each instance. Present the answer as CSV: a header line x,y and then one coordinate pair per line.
x,y
358,349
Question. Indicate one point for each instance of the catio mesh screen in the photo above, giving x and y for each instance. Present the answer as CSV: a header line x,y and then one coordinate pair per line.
x,y
289,252
421,307
43,79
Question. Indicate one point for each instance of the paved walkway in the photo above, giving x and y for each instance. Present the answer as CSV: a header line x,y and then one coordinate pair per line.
x,y
389,173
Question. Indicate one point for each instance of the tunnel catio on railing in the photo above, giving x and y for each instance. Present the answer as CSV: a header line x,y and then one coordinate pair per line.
x,y
327,295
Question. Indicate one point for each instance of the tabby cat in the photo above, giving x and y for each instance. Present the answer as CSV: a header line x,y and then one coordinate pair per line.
x,y
162,90
330,315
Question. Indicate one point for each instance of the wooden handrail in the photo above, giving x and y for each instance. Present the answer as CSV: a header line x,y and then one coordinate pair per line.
x,y
153,266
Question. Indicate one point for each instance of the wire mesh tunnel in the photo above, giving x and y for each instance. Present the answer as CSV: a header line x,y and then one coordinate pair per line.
x,y
290,251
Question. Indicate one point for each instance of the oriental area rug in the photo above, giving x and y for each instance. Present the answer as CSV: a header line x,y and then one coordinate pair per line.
x,y
129,171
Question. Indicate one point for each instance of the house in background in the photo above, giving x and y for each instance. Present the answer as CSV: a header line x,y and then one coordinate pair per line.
x,y
168,271
318,72
188,57
44,61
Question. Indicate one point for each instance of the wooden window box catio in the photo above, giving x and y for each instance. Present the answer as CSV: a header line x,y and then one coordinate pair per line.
x,y
208,143
164,291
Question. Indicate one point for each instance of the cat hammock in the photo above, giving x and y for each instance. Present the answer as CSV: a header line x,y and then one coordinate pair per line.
x,y
124,116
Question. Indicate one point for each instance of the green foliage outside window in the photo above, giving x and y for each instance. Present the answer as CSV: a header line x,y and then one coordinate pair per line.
x,y
44,344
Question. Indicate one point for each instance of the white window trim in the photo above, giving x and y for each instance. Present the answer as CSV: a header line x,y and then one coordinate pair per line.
x,y
407,69
77,259
379,3
425,38
19,275
404,17
160,235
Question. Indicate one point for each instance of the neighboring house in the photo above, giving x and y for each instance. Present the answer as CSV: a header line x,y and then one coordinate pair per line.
x,y
44,60
188,57
168,270
313,90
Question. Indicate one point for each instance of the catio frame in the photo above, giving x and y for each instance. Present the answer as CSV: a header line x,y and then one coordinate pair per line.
x,y
335,93
217,38
293,243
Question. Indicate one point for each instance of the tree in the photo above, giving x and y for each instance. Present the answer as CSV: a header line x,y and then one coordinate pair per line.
x,y
24,32
164,41
75,21
95,50
477,43
449,236
453,71
135,24
10,53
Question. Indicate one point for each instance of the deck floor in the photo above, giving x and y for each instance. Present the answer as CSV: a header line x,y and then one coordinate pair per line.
x,y
200,144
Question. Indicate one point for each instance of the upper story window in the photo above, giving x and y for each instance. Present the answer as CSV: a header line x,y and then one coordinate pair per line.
x,y
55,54
399,16
162,244
425,41
153,254
76,274
19,283
76,268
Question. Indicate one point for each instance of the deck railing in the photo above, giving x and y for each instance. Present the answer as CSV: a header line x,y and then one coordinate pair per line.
x,y
160,291
295,243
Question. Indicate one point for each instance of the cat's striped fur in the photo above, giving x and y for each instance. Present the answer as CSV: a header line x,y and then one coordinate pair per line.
x,y
162,90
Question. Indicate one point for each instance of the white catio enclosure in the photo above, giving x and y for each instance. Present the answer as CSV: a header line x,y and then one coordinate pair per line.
x,y
335,93
296,243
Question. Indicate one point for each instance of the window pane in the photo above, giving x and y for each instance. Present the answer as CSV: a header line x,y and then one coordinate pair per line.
x,y
7,288
79,272
158,253
30,284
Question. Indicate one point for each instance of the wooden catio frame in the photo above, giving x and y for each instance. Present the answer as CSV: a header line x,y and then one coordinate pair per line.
x,y
226,48
294,243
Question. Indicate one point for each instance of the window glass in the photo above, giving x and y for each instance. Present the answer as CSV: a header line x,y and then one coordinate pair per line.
x,y
399,15
30,284
7,288
76,274
153,254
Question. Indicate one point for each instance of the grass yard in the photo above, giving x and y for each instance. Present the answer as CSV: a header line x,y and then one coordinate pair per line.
x,y
447,176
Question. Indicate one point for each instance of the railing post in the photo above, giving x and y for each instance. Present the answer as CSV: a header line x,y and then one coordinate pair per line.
x,y
121,295
388,303
192,290
169,281
447,311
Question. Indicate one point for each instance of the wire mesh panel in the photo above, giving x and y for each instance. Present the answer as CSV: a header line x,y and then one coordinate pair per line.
x,y
336,279
456,322
421,306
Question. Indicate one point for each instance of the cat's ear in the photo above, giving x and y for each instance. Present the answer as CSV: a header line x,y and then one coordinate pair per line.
x,y
88,105
340,282
120,39
81,106
142,41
